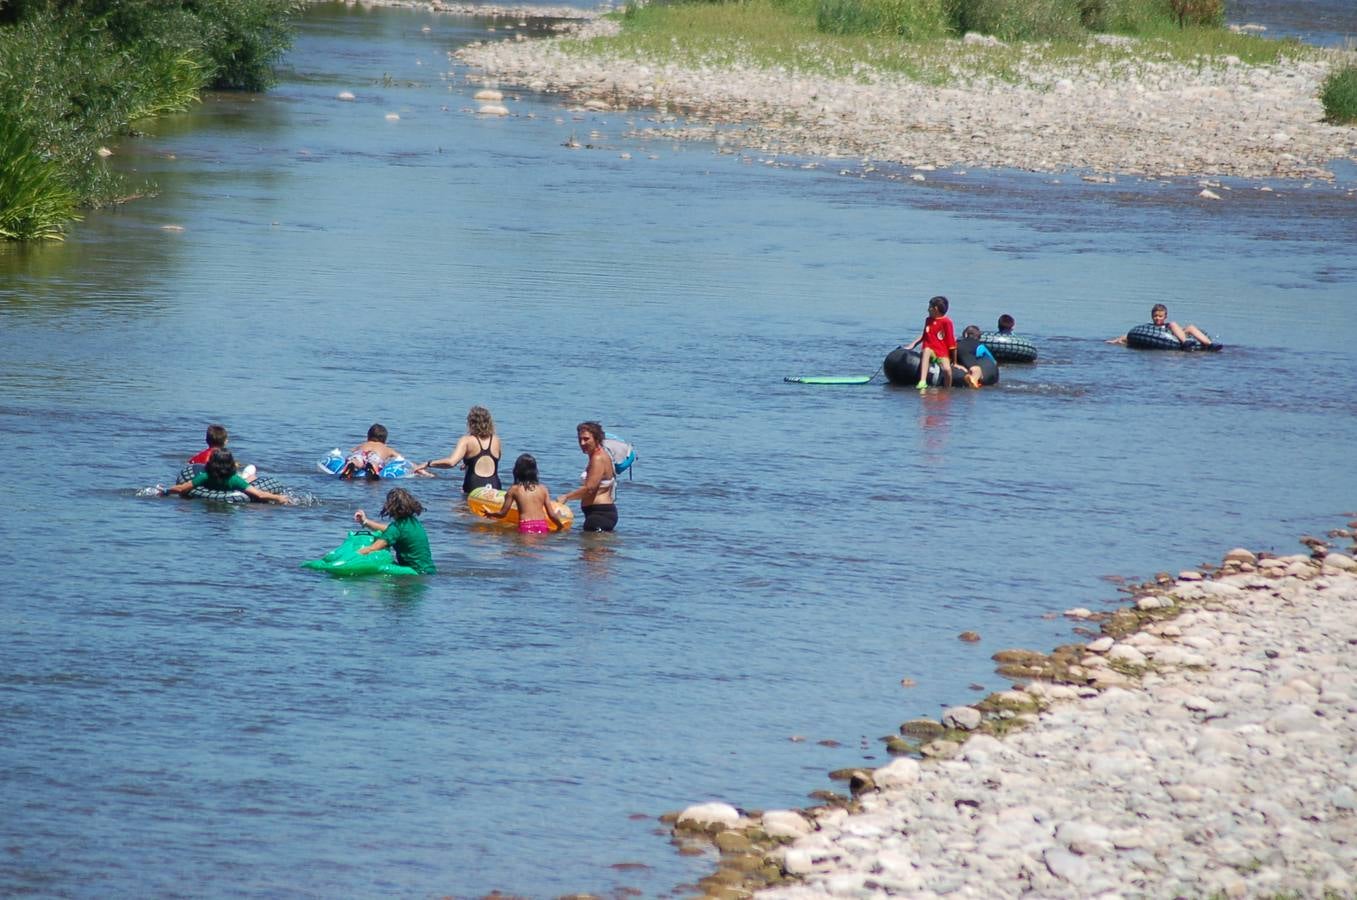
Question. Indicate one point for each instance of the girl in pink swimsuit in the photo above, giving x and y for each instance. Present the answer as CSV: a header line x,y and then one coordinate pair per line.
x,y
535,512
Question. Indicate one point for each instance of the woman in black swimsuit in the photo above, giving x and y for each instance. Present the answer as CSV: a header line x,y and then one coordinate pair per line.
x,y
598,494
478,452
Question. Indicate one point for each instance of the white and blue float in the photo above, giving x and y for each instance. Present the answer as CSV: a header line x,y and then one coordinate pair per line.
x,y
332,463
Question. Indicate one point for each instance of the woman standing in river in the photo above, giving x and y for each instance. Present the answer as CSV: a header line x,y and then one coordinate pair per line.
x,y
478,452
598,493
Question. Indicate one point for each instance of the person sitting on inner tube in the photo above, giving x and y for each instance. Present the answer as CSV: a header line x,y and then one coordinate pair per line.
x,y
969,352
1006,324
939,342
220,475
1159,317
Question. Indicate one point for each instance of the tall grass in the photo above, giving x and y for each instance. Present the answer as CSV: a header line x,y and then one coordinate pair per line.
x,y
909,19
1010,20
35,200
74,74
1338,95
1021,20
784,34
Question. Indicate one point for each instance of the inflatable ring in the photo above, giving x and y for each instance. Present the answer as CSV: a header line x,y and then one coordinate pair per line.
x,y
346,561
1009,348
332,463
485,500
263,482
1158,337
902,367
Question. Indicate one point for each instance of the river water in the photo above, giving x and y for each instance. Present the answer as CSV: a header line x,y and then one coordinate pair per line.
x,y
187,712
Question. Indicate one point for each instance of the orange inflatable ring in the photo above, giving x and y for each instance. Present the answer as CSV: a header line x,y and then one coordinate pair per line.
x,y
485,500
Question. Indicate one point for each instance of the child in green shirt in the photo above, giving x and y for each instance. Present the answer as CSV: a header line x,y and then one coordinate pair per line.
x,y
220,475
404,534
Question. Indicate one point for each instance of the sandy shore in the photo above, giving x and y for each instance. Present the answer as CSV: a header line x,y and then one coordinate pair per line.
x,y
1208,751
1145,118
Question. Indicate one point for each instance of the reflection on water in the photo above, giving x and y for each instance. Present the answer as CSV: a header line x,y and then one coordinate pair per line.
x,y
183,704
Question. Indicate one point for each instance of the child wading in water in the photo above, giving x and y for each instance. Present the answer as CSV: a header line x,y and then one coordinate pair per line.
x,y
404,534
531,497
220,475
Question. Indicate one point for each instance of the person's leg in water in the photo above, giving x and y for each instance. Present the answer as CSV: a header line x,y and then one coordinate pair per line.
x,y
926,358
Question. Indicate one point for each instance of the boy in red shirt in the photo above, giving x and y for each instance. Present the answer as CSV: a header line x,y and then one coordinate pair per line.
x,y
939,340
216,440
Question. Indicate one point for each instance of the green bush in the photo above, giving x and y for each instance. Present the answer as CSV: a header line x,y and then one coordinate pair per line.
x,y
35,201
1022,20
1338,95
245,38
76,73
910,19
1210,13
1126,16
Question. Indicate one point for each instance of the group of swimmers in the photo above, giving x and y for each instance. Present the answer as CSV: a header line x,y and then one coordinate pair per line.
x,y
478,452
940,343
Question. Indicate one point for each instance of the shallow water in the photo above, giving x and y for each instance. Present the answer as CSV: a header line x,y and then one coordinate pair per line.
x,y
1328,23
186,711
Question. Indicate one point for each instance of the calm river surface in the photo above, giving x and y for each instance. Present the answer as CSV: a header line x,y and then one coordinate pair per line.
x,y
186,712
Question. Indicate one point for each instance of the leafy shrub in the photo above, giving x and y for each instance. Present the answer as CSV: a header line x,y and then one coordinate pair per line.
x,y
911,19
1126,16
244,38
1198,12
35,202
76,73
1338,94
1017,20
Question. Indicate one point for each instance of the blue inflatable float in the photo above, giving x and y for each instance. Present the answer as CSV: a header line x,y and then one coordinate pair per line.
x,y
332,463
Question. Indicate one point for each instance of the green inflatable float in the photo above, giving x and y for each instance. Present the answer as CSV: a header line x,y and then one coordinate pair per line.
x,y
345,560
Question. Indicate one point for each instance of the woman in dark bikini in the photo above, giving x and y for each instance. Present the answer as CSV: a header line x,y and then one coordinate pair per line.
x,y
598,494
478,452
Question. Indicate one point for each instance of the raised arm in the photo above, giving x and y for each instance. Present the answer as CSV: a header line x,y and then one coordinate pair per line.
x,y
370,524
452,460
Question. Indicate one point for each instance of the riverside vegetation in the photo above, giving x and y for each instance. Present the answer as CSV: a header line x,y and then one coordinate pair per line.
x,y
1154,88
75,73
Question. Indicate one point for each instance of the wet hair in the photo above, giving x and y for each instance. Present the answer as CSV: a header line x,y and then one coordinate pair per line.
x,y
479,422
221,465
377,433
593,428
971,331
1006,322
940,302
401,504
1158,307
216,435
525,469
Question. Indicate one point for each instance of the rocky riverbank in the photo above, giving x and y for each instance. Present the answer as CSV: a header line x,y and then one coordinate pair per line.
x,y
1205,745
1143,117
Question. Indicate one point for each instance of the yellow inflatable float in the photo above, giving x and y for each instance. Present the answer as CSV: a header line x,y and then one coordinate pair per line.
x,y
485,500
